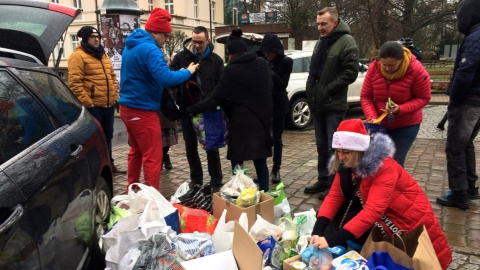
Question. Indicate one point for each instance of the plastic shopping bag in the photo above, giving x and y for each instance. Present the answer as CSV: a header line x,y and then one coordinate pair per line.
x,y
211,129
223,235
161,210
281,207
181,190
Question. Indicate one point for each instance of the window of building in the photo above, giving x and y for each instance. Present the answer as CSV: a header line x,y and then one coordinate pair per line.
x,y
77,3
195,9
235,16
74,41
150,5
55,1
213,10
169,6
56,51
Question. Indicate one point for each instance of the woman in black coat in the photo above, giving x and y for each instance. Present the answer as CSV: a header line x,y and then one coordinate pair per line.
x,y
244,92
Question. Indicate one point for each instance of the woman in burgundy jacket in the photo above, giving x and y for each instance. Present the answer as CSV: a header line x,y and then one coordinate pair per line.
x,y
397,76
381,193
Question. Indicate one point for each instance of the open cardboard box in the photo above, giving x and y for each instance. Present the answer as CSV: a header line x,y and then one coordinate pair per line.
x,y
264,208
286,262
245,255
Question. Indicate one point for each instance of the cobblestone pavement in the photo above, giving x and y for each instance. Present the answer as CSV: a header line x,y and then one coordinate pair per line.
x,y
426,162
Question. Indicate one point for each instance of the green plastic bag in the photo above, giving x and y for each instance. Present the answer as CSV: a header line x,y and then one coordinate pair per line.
x,y
115,214
281,207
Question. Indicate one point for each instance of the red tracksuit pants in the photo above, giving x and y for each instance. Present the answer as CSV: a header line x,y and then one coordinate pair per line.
x,y
145,140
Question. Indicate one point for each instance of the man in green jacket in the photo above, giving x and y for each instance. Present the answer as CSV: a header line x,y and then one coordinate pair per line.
x,y
334,66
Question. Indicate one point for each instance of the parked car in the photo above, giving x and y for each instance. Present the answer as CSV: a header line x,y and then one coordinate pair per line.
x,y
300,115
55,174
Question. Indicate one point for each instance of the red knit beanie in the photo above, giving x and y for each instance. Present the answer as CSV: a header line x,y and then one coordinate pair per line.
x,y
351,135
159,21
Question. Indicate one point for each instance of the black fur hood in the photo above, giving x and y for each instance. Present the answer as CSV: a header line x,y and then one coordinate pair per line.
x,y
381,147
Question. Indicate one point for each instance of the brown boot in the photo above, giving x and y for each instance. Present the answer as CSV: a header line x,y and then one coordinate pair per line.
x,y
115,170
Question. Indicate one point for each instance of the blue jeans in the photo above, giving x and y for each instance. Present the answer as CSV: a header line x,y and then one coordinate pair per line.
x,y
325,124
191,149
106,117
278,125
403,139
463,127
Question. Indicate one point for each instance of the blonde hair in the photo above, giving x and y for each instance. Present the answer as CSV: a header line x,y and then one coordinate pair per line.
x,y
352,163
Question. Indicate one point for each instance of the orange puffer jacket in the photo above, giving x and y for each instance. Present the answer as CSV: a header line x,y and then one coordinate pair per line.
x,y
91,80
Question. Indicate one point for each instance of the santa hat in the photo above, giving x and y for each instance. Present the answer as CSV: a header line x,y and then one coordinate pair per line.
x,y
351,135
159,21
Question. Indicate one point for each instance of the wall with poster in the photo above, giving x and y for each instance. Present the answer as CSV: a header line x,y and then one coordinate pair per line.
x,y
115,29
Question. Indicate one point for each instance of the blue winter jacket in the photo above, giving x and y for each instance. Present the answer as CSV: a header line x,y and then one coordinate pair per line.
x,y
145,73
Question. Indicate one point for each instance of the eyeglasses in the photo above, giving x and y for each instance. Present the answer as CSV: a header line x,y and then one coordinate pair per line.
x,y
94,37
199,42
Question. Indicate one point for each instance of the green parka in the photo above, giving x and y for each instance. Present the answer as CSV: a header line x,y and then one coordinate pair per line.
x,y
329,92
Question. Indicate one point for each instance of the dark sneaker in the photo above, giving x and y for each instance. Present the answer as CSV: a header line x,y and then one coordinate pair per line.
x,y
275,176
317,187
454,200
323,194
473,194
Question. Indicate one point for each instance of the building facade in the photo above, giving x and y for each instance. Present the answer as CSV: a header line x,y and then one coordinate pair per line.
x,y
186,14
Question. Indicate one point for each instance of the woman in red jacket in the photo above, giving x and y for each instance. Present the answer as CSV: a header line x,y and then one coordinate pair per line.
x,y
373,189
396,83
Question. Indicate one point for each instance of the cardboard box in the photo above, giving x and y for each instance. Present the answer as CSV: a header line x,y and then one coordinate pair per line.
x,y
246,255
287,265
264,208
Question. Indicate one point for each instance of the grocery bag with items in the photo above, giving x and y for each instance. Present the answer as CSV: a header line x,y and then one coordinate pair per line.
x,y
240,190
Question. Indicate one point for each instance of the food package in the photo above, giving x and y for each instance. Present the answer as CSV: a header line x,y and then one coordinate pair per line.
x,y
351,259
248,197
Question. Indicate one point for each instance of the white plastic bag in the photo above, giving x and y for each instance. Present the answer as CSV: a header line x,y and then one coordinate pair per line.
x,y
263,229
181,190
305,221
162,211
223,235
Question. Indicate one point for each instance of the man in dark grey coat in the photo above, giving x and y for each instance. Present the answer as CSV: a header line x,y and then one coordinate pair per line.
x,y
199,49
334,66
464,111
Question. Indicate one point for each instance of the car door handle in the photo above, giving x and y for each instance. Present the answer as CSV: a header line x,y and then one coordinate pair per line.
x,y
17,213
76,152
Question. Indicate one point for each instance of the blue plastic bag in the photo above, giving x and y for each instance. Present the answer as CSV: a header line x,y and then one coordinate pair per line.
x,y
382,261
211,129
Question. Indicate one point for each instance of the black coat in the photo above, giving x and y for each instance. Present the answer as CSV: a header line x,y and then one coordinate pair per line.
x,y
211,68
280,70
244,93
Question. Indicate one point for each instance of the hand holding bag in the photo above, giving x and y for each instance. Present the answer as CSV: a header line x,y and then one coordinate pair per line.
x,y
373,125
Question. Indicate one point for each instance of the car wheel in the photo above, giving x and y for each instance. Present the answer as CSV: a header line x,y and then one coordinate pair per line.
x,y
300,115
102,213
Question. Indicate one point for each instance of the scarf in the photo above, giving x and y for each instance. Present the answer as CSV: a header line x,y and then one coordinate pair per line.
x,y
320,55
407,58
95,52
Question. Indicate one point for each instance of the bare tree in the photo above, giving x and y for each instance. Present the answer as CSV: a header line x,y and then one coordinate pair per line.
x,y
177,37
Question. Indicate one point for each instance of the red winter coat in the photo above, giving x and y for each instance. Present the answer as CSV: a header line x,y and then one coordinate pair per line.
x,y
411,92
387,189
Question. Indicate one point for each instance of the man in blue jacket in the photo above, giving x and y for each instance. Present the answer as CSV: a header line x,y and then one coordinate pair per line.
x,y
143,77
464,111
